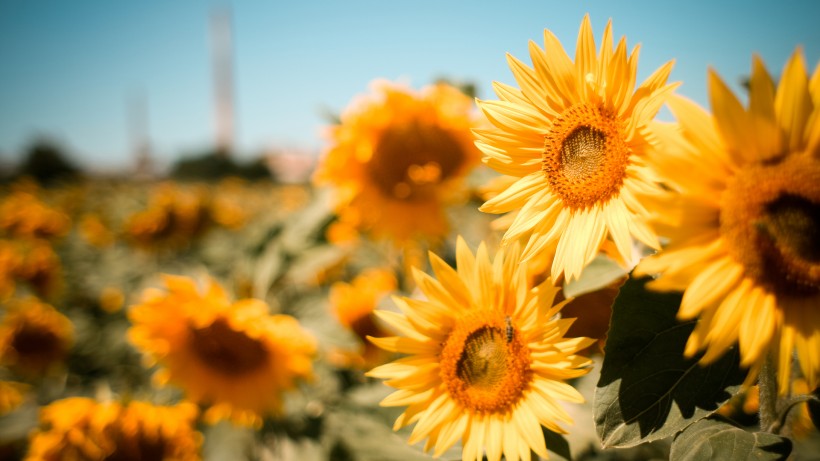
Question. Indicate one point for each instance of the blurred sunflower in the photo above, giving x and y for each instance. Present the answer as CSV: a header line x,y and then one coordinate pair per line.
x,y
10,261
487,358
399,155
743,220
34,337
95,231
111,299
236,357
174,216
22,214
353,304
39,267
231,204
82,429
575,136
12,395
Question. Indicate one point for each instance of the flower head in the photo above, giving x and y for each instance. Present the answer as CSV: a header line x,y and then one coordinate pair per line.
x,y
575,137
12,395
354,303
174,217
34,337
486,358
743,220
397,157
82,429
236,357
23,215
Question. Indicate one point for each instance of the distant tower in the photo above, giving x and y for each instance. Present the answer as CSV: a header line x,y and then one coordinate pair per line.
x,y
222,53
138,128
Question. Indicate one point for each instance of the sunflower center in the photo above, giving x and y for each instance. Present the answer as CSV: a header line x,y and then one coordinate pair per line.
x,y
410,159
138,447
226,350
36,344
770,218
585,156
485,363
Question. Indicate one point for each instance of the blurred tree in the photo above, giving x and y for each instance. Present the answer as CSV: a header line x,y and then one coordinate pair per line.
x,y
215,165
47,162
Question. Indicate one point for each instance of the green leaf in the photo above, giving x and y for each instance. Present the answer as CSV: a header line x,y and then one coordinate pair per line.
x,y
814,408
557,445
719,440
648,390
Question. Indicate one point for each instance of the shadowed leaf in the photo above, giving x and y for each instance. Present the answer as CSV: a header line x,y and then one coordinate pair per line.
x,y
557,445
719,440
814,408
648,390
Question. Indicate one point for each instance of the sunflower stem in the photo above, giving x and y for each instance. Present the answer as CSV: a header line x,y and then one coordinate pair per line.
x,y
767,385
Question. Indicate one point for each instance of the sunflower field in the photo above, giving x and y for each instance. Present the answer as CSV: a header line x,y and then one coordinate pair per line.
x,y
551,274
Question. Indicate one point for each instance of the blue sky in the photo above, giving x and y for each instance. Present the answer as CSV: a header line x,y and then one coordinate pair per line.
x,y
68,69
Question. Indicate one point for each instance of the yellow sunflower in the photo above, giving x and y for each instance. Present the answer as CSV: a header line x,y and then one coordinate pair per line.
x,y
398,158
39,267
12,395
10,262
575,135
486,358
111,299
354,303
174,217
34,337
234,356
94,230
744,220
81,429
23,215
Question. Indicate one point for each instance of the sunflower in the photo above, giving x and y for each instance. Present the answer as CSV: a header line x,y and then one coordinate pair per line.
x,y
34,337
234,356
12,395
39,267
487,358
82,429
23,215
353,304
10,262
575,136
111,299
94,230
744,220
173,218
398,157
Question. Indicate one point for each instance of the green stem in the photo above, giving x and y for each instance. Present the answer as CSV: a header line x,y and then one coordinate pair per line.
x,y
767,384
781,420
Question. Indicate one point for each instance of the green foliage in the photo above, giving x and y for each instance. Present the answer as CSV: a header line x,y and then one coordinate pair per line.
x,y
648,390
557,445
814,408
213,166
716,439
47,162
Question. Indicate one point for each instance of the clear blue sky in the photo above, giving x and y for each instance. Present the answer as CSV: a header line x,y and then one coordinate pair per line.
x,y
68,68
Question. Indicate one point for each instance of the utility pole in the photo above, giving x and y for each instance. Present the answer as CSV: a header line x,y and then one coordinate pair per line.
x,y
222,55
138,128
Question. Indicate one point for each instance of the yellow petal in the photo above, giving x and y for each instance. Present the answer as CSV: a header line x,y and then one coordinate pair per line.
x,y
711,284
561,68
516,195
585,59
793,103
513,117
732,121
